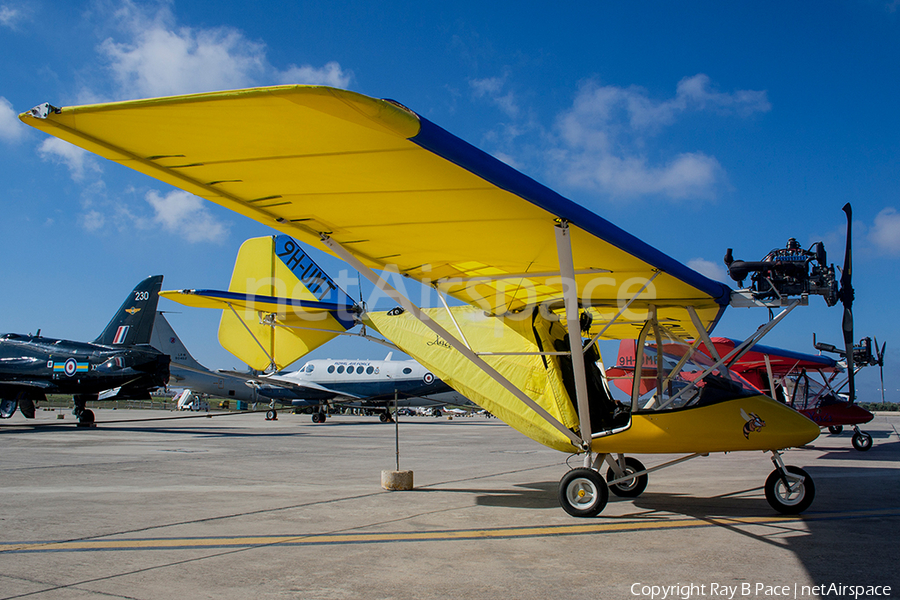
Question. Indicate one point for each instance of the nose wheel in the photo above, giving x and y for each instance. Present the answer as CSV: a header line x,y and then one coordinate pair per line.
x,y
583,493
789,490
861,440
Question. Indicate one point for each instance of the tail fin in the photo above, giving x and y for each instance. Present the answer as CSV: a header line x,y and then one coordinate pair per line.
x,y
133,323
167,341
276,266
280,305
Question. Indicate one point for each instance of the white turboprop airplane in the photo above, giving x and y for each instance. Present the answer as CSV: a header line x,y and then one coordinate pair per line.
x,y
367,384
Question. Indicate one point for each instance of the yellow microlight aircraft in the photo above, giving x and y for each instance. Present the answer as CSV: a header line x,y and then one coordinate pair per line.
x,y
384,189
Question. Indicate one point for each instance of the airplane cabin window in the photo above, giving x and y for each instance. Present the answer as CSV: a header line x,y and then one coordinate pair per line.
x,y
341,369
331,368
370,370
407,370
359,370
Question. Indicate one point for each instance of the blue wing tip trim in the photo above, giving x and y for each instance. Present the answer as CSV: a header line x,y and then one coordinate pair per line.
x,y
446,145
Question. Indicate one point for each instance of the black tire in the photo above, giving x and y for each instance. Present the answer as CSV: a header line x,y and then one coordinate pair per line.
x,y
835,429
86,418
785,502
861,440
583,493
384,417
322,417
629,489
271,415
316,418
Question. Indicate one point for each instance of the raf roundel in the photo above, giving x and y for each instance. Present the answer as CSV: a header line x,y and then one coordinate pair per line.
x,y
70,367
428,378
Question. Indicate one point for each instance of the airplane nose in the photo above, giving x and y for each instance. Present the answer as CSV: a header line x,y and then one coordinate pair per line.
x,y
857,414
803,430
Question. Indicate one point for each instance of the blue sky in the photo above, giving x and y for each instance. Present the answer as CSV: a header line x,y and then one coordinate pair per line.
x,y
697,126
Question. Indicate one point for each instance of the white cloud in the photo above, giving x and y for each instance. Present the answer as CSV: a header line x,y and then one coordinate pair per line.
x,y
492,88
160,62
11,129
885,234
152,56
93,220
79,162
10,16
711,269
603,139
331,74
685,176
187,216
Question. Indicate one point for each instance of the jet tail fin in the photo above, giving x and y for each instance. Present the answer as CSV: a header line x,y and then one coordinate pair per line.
x,y
133,323
167,341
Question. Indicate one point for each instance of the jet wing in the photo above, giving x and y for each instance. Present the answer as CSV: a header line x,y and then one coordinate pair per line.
x,y
26,383
298,386
395,190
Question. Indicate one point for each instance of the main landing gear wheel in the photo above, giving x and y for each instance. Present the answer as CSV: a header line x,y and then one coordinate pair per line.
x,y
835,429
861,440
271,415
583,493
793,499
318,417
385,418
86,418
633,487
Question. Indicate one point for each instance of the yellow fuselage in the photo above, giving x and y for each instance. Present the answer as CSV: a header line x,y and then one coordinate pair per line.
x,y
750,423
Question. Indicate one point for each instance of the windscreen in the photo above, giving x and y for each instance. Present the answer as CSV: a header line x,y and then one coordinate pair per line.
x,y
674,375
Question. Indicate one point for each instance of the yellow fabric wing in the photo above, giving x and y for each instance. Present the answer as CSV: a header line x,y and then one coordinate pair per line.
x,y
392,188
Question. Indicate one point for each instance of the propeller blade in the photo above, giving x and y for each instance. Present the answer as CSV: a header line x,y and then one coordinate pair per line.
x,y
847,300
880,359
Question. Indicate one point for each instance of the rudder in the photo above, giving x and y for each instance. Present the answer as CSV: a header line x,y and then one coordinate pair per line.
x,y
133,323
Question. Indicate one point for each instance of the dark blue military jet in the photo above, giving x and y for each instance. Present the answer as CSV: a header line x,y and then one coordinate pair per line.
x,y
120,364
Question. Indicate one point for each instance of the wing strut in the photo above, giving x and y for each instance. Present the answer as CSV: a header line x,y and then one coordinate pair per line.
x,y
737,353
573,325
395,295
622,310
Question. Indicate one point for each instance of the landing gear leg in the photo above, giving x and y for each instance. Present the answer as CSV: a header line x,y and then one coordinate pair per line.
x,y
861,440
789,490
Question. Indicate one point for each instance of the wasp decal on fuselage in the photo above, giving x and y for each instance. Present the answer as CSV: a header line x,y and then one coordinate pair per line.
x,y
753,423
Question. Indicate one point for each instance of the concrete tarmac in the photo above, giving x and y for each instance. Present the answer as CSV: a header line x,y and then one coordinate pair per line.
x,y
147,506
